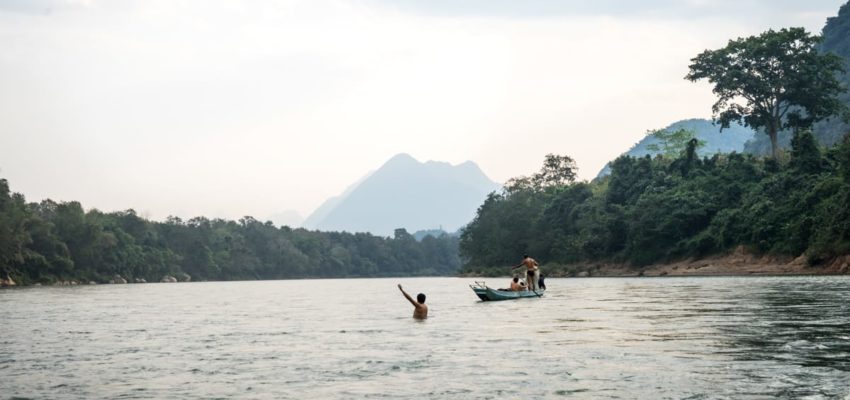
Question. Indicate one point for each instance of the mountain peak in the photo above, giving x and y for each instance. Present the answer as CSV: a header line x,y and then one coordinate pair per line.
x,y
401,158
470,166
406,193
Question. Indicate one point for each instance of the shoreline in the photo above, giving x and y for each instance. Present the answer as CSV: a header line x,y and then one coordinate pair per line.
x,y
737,263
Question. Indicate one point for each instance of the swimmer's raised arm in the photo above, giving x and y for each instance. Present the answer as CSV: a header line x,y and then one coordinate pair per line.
x,y
407,296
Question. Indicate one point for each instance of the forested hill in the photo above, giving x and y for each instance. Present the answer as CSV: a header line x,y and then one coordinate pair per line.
x,y
48,242
729,140
836,40
652,210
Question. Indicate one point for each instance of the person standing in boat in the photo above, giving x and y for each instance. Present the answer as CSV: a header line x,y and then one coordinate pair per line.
x,y
532,271
420,310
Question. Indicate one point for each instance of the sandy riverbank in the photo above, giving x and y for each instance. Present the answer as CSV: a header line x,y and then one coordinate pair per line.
x,y
739,262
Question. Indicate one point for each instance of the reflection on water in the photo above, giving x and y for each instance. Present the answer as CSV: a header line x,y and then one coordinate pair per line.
x,y
753,337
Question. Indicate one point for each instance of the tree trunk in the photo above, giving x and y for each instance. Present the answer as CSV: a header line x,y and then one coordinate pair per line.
x,y
774,142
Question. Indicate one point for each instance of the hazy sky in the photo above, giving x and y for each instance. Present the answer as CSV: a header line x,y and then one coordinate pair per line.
x,y
225,108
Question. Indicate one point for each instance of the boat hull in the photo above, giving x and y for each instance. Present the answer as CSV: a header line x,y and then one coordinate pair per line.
x,y
489,294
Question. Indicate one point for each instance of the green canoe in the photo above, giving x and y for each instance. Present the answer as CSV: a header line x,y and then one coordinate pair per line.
x,y
486,293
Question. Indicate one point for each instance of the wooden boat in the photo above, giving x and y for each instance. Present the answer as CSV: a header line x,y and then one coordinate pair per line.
x,y
486,293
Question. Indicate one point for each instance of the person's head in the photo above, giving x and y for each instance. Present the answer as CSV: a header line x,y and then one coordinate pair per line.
x,y
516,279
525,256
420,298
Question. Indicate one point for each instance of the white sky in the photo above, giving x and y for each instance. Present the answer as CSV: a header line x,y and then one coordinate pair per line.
x,y
226,109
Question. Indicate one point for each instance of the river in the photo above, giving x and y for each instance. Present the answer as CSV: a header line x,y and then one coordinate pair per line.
x,y
650,338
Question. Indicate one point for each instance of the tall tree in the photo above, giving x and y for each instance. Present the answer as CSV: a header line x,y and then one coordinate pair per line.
x,y
776,80
672,143
556,171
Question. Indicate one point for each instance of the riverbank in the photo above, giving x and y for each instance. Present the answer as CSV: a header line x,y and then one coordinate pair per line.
x,y
736,263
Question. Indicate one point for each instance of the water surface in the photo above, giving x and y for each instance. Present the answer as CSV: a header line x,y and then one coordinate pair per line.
x,y
752,337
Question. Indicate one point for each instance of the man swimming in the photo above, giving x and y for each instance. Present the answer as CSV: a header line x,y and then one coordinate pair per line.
x,y
420,310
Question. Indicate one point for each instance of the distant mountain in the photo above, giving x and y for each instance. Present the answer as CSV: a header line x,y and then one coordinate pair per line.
x,y
836,39
405,193
730,140
319,214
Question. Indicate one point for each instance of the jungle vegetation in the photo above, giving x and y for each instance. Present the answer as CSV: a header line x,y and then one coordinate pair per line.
x,y
653,210
678,204
48,241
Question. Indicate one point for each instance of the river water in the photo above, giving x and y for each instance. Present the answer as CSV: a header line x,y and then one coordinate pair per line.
x,y
650,338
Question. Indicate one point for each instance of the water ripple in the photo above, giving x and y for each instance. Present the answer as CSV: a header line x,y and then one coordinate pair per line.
x,y
690,338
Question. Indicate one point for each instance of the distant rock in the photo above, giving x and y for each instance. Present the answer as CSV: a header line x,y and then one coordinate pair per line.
x,y
406,193
118,279
184,277
139,280
168,279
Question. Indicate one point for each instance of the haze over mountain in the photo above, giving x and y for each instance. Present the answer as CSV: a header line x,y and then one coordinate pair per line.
x,y
730,140
406,193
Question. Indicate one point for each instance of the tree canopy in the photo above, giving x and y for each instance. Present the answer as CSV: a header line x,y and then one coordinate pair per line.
x,y
672,143
556,171
773,81
49,241
658,209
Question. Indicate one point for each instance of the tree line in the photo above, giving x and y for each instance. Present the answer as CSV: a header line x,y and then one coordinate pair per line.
x,y
678,205
653,210
647,210
51,241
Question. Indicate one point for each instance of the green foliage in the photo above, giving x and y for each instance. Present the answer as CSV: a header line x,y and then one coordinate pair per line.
x,y
510,217
49,241
556,171
672,143
805,155
777,80
654,210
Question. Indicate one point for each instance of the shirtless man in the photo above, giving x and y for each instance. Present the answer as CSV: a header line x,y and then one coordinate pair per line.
x,y
420,310
532,271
